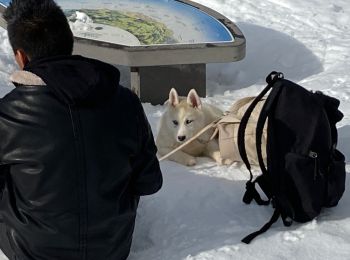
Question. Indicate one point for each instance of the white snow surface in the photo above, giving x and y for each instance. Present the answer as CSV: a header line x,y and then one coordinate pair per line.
x,y
199,213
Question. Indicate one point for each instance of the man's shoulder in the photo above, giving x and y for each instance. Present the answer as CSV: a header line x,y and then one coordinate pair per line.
x,y
8,96
129,97
23,81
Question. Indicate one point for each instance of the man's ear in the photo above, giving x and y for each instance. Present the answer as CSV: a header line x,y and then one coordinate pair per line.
x,y
21,58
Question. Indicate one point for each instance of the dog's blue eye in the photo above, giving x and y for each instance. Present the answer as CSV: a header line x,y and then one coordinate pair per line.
x,y
188,122
175,122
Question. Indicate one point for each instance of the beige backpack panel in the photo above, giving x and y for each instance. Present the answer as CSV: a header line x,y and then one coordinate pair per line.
x,y
228,132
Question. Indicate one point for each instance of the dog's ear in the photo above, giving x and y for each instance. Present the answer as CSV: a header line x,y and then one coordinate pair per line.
x,y
194,100
173,98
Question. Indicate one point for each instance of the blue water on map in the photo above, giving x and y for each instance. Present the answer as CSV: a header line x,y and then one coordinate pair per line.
x,y
4,2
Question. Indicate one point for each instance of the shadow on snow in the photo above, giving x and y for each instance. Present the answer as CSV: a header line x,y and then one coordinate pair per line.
x,y
266,50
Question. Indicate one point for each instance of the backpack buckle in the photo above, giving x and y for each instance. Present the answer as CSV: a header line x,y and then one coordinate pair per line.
x,y
252,194
273,77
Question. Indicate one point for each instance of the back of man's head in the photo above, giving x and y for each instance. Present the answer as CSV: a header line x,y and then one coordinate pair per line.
x,y
39,28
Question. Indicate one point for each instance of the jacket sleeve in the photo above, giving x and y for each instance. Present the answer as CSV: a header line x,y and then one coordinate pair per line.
x,y
3,167
147,176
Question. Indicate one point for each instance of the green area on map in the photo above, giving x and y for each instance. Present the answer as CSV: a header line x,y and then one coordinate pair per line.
x,y
147,30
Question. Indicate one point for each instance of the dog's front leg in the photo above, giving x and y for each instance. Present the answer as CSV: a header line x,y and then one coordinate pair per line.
x,y
213,151
179,157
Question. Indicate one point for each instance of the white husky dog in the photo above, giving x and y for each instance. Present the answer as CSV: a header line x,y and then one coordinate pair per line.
x,y
183,118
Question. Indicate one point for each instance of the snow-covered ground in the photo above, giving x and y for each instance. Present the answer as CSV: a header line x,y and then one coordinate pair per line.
x,y
199,214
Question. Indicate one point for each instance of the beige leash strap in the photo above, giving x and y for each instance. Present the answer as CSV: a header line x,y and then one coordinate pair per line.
x,y
206,128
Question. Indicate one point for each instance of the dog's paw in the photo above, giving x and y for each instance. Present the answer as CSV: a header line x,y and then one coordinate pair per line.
x,y
221,161
227,161
191,161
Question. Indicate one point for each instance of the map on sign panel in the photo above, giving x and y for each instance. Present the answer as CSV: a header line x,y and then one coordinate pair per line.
x,y
142,22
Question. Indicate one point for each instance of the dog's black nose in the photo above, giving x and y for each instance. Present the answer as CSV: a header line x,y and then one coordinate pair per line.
x,y
181,138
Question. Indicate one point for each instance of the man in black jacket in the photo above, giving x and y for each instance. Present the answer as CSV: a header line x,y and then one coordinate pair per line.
x,y
76,149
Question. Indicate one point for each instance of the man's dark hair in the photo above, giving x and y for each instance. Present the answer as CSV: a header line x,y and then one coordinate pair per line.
x,y
39,28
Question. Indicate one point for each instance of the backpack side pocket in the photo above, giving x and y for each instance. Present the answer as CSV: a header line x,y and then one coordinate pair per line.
x,y
336,179
305,185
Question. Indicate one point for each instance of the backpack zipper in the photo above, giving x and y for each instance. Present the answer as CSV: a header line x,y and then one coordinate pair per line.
x,y
314,156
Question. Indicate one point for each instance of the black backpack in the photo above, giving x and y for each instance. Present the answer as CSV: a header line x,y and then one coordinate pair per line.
x,y
304,170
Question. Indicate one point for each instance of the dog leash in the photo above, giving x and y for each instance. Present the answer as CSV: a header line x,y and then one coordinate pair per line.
x,y
206,128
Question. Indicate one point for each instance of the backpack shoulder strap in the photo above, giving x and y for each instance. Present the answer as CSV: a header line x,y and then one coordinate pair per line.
x,y
262,180
274,218
251,192
271,79
261,123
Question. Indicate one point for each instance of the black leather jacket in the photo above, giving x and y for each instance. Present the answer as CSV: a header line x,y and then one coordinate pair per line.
x,y
75,156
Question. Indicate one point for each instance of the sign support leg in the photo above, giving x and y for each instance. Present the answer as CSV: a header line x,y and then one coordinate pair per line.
x,y
135,80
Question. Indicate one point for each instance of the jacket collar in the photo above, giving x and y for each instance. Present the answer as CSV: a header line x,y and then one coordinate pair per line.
x,y
26,78
75,79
